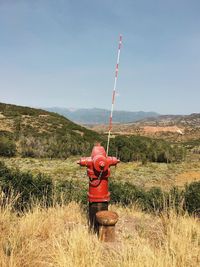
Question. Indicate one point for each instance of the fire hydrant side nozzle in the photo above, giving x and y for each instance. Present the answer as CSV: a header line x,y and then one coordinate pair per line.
x,y
85,162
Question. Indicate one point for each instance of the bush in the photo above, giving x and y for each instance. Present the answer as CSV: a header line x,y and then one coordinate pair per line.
x,y
192,198
126,193
52,146
25,187
156,200
69,190
145,149
176,198
7,147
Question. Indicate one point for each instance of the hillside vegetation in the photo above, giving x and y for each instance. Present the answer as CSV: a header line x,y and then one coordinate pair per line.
x,y
139,148
29,132
38,133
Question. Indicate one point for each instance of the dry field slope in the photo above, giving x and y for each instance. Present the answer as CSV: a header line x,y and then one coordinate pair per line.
x,y
59,237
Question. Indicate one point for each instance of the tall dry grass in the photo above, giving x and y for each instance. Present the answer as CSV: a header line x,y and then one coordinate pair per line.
x,y
59,237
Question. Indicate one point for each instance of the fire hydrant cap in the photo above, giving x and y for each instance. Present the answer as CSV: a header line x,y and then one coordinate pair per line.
x,y
100,163
106,217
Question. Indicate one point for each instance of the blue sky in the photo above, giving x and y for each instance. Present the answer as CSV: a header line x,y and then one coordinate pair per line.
x,y
63,53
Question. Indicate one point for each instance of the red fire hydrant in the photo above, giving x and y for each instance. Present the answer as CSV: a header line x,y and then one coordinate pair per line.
x,y
98,171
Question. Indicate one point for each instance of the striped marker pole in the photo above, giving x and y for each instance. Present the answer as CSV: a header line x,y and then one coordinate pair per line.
x,y
114,92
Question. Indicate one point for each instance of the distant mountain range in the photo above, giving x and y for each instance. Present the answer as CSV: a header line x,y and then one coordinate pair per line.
x,y
101,116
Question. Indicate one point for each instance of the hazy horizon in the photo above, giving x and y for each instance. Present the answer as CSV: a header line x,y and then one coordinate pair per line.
x,y
63,54
75,108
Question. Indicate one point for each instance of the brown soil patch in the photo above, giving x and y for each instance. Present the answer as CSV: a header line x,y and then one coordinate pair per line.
x,y
156,129
187,177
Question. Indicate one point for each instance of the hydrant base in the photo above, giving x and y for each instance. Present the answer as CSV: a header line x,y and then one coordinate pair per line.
x,y
107,233
94,207
107,220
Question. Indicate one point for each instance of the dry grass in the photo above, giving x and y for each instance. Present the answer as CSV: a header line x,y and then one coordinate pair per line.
x,y
59,237
6,124
187,177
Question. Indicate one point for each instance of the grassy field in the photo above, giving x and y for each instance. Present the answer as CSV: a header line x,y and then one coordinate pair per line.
x,y
148,175
59,237
56,168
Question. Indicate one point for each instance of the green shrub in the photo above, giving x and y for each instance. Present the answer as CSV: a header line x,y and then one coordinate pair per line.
x,y
69,190
53,146
130,148
126,193
155,199
176,199
25,187
192,198
7,147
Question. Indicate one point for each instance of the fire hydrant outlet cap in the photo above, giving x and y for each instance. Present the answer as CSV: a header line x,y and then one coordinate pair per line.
x,y
107,217
100,163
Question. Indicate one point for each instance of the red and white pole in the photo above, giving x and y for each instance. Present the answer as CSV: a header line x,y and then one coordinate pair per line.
x,y
114,92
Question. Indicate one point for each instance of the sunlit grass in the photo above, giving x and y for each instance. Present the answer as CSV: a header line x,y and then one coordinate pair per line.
x,y
59,236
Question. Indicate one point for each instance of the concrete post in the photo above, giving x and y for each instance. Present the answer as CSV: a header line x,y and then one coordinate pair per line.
x,y
107,220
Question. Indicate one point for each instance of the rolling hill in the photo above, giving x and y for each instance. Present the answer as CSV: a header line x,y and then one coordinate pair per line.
x,y
36,132
29,132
